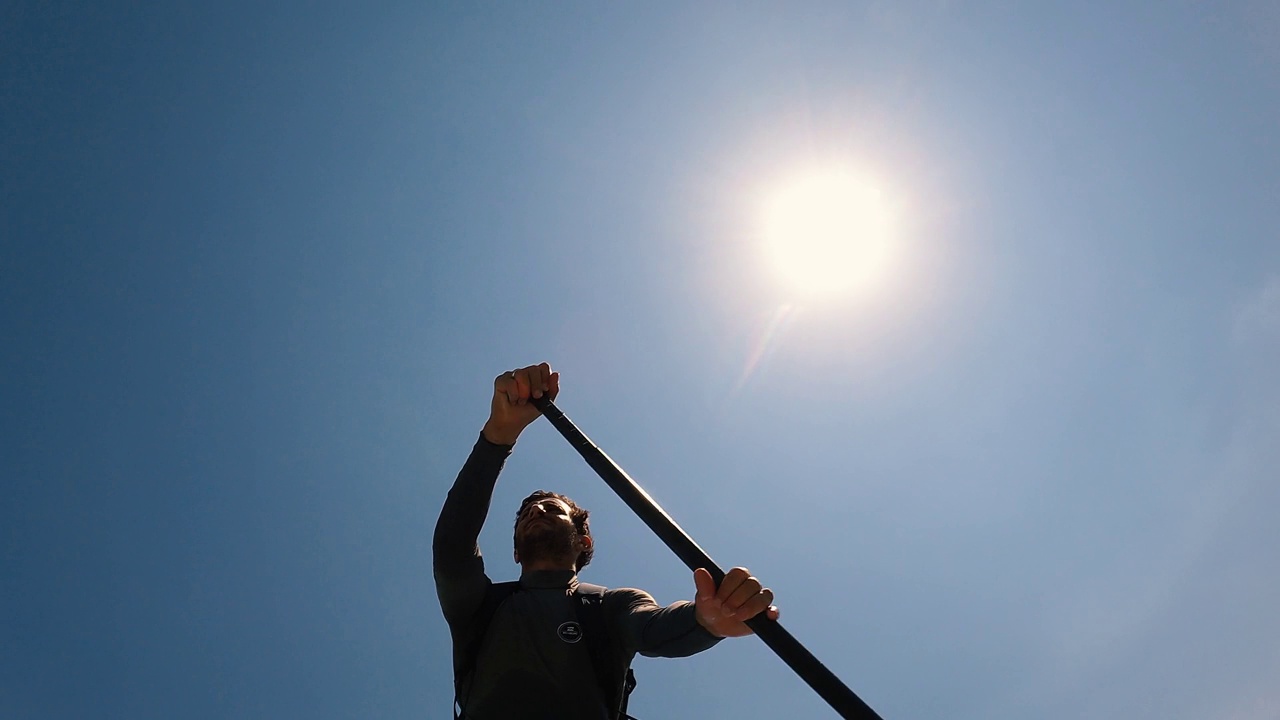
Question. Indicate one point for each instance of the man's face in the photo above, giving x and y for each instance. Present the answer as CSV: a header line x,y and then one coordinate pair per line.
x,y
545,531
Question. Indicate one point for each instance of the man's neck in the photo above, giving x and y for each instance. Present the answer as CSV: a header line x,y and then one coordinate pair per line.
x,y
547,565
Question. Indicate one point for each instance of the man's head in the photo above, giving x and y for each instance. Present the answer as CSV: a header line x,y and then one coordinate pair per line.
x,y
552,532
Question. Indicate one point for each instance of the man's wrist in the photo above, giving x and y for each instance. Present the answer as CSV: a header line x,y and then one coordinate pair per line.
x,y
499,435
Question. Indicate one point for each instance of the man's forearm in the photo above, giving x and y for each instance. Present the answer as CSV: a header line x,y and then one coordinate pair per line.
x,y
467,504
655,631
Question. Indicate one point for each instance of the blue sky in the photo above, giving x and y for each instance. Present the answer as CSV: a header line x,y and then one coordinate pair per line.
x,y
261,265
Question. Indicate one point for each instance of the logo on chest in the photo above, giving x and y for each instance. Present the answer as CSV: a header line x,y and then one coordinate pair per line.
x,y
570,632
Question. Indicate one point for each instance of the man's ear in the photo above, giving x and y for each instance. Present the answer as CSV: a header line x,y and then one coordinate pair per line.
x,y
586,541
515,554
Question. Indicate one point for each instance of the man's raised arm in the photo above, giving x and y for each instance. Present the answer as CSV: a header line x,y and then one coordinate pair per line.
x,y
455,552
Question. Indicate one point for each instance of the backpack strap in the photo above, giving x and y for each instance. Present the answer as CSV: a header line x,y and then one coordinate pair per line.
x,y
465,663
615,685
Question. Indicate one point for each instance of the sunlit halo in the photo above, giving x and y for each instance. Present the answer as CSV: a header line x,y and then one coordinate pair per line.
x,y
826,232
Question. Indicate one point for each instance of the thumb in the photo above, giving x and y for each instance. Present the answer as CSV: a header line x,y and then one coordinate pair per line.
x,y
706,586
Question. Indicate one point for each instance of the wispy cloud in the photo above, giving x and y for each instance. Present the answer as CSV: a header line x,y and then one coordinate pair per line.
x,y
1178,621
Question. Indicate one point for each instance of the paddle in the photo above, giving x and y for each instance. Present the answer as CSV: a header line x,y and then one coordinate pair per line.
x,y
795,655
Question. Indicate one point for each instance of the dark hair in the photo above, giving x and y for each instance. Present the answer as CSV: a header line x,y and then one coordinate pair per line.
x,y
577,514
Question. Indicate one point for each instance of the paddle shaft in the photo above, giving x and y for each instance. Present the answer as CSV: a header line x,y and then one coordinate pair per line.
x,y
795,655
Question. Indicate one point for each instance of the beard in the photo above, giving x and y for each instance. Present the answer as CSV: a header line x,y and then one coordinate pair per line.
x,y
555,542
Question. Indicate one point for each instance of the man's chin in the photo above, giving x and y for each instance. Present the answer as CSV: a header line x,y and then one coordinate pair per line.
x,y
531,553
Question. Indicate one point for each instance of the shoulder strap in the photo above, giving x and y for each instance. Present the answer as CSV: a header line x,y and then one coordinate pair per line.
x,y
614,683
465,663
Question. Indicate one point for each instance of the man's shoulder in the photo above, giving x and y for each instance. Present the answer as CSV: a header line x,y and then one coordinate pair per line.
x,y
626,599
628,591
611,596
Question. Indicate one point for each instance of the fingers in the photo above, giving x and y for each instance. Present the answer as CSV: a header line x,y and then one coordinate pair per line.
x,y
505,385
522,385
533,381
742,596
731,581
539,379
724,611
755,605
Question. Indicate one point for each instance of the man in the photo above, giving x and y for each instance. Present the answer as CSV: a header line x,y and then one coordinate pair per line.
x,y
525,654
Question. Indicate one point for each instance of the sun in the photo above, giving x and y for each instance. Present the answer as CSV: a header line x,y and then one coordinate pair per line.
x,y
826,232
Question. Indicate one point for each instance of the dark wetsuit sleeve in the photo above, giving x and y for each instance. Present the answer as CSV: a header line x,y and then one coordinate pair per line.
x,y
456,562
655,631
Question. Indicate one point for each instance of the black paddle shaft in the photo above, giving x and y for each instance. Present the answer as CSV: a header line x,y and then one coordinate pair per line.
x,y
795,655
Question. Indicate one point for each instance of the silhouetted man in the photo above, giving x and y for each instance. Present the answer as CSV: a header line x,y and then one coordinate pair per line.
x,y
549,647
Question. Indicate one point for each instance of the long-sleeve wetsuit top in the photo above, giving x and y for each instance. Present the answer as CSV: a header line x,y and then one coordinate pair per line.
x,y
524,670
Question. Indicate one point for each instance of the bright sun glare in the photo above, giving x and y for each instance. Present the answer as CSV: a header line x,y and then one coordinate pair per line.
x,y
827,232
